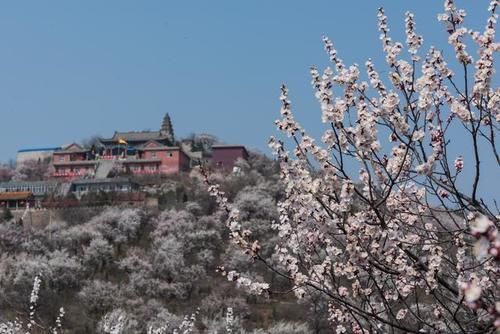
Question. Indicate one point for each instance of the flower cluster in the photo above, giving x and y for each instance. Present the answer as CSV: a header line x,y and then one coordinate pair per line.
x,y
247,283
487,47
392,50
229,320
18,326
488,240
413,40
454,18
382,232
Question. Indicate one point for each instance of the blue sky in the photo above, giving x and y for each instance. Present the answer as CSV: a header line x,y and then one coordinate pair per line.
x,y
73,69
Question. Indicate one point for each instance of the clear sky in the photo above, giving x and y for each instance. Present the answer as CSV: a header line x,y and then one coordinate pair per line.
x,y
73,69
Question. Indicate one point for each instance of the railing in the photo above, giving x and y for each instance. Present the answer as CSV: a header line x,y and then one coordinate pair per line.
x,y
161,170
119,158
71,174
145,172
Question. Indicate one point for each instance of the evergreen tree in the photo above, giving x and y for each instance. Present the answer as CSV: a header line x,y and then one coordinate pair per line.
x,y
7,214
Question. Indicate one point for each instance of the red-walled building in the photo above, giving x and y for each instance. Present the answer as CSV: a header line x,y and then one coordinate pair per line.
x,y
224,156
72,162
150,157
154,157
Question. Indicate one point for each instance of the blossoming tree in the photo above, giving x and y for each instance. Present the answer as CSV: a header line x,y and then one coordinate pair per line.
x,y
385,229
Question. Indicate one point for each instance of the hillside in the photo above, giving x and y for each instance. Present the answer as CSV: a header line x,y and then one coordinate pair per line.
x,y
157,265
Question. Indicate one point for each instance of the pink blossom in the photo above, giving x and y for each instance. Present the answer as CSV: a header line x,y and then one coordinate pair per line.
x,y
459,164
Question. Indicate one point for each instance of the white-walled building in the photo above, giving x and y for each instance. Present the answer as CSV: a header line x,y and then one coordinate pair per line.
x,y
35,154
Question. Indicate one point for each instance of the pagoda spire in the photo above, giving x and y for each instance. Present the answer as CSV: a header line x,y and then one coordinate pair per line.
x,y
167,130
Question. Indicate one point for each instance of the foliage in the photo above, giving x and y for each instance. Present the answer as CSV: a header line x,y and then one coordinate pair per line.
x,y
149,268
33,170
373,235
7,172
411,247
7,214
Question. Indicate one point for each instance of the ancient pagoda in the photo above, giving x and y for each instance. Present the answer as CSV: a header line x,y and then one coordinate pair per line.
x,y
167,129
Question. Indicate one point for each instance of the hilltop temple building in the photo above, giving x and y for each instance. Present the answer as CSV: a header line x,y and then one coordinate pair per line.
x,y
138,153
106,166
128,143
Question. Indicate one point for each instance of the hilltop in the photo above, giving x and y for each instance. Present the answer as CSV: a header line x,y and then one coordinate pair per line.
x,y
118,169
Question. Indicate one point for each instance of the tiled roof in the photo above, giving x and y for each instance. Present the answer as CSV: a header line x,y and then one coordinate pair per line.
x,y
134,136
13,184
43,149
15,195
227,147
149,145
73,148
115,180
159,148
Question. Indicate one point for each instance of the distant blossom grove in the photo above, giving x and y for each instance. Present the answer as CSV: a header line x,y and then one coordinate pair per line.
x,y
377,216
